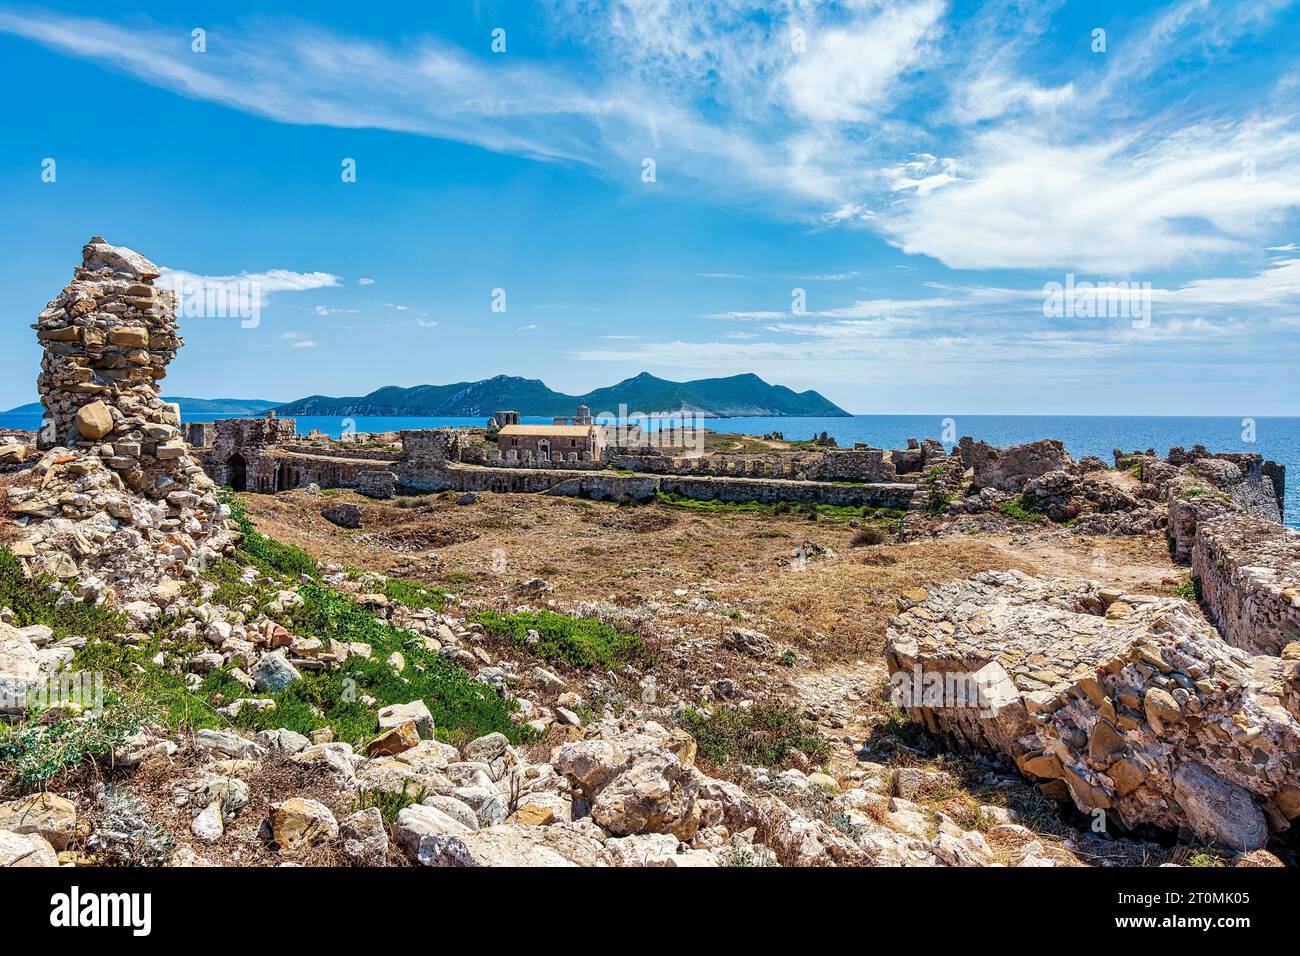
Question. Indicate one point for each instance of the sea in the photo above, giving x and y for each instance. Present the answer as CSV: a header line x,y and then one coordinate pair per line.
x,y
1274,438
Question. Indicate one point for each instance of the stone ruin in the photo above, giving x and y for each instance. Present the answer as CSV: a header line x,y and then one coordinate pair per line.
x,y
116,494
1248,572
1122,703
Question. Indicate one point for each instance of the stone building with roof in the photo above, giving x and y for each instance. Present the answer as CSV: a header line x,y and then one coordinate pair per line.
x,y
553,443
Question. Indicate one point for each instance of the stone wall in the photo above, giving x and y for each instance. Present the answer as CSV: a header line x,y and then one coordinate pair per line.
x,y
1129,706
108,337
431,447
116,506
854,464
241,454
1249,574
605,485
1010,469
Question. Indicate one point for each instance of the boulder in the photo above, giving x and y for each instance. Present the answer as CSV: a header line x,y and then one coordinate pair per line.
x,y
301,822
1219,811
51,816
25,849
273,672
93,420
364,838
417,711
345,515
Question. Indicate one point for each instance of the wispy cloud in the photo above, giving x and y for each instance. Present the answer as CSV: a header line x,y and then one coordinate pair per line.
x,y
259,286
869,115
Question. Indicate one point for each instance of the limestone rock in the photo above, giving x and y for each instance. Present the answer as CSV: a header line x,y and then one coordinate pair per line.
x,y
417,710
364,838
1152,717
298,821
93,420
51,816
1219,811
25,849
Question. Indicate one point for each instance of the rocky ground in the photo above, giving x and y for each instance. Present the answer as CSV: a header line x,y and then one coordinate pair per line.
x,y
190,677
727,704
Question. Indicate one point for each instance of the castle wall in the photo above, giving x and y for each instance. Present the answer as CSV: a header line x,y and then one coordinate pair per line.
x,y
1249,572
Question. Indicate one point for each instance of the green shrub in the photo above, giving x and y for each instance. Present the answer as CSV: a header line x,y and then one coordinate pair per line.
x,y
1021,508
265,552
583,642
938,503
1189,590
767,734
389,803
415,594
33,602
32,754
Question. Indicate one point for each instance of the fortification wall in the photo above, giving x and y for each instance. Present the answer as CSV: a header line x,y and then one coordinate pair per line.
x,y
1249,573
610,486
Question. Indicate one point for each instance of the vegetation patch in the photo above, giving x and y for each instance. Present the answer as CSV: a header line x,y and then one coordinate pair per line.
x,y
33,601
389,802
32,753
1022,508
583,642
811,512
415,594
267,553
766,734
868,536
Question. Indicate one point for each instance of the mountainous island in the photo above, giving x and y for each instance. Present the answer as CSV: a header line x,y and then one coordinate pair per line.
x,y
734,396
189,406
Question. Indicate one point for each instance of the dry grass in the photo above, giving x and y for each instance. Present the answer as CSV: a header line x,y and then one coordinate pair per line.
x,y
830,607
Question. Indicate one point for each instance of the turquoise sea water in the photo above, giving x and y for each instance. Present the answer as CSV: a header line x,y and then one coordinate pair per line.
x,y
1275,438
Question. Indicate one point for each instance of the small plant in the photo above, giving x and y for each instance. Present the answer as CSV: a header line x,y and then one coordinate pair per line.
x,y
766,734
415,594
789,658
841,822
32,754
938,503
1021,508
869,536
389,803
583,642
1189,590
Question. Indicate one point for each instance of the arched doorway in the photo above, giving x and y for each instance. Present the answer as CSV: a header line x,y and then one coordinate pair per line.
x,y
237,472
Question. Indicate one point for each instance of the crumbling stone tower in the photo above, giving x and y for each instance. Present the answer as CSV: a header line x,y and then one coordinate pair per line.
x,y
108,337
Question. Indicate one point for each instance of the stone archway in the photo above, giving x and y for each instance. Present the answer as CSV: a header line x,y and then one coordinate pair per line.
x,y
237,472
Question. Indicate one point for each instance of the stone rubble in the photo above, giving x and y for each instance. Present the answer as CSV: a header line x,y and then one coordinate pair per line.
x,y
116,508
1125,703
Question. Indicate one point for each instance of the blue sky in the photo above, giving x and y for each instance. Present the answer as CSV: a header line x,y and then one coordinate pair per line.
x,y
921,170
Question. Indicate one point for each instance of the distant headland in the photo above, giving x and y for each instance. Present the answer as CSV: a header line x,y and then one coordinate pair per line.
x,y
731,397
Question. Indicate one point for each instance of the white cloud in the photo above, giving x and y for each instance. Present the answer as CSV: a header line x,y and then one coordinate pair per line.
x,y
258,286
1134,203
304,344
365,280
848,74
1090,173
